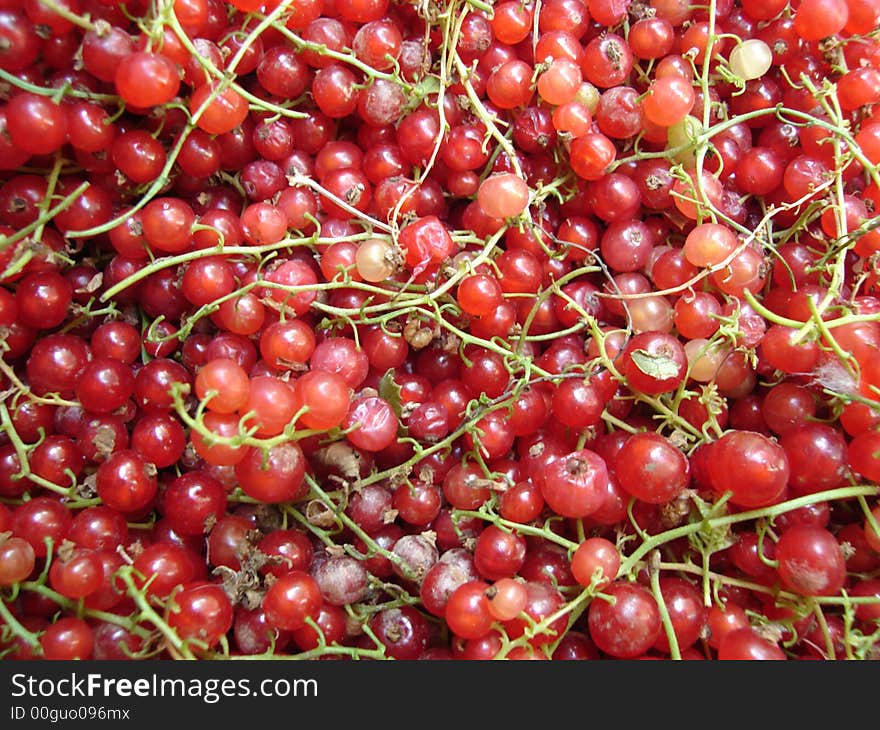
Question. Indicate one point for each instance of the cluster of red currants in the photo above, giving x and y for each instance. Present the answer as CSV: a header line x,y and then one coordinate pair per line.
x,y
429,330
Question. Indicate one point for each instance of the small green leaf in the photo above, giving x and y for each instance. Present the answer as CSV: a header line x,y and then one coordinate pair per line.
x,y
659,367
710,538
389,390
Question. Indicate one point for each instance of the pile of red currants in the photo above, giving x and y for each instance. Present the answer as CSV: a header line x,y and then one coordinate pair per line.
x,y
440,329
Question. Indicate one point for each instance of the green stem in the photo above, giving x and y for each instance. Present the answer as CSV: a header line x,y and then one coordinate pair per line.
x,y
148,613
51,92
69,605
665,618
29,637
519,527
71,17
44,218
655,541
